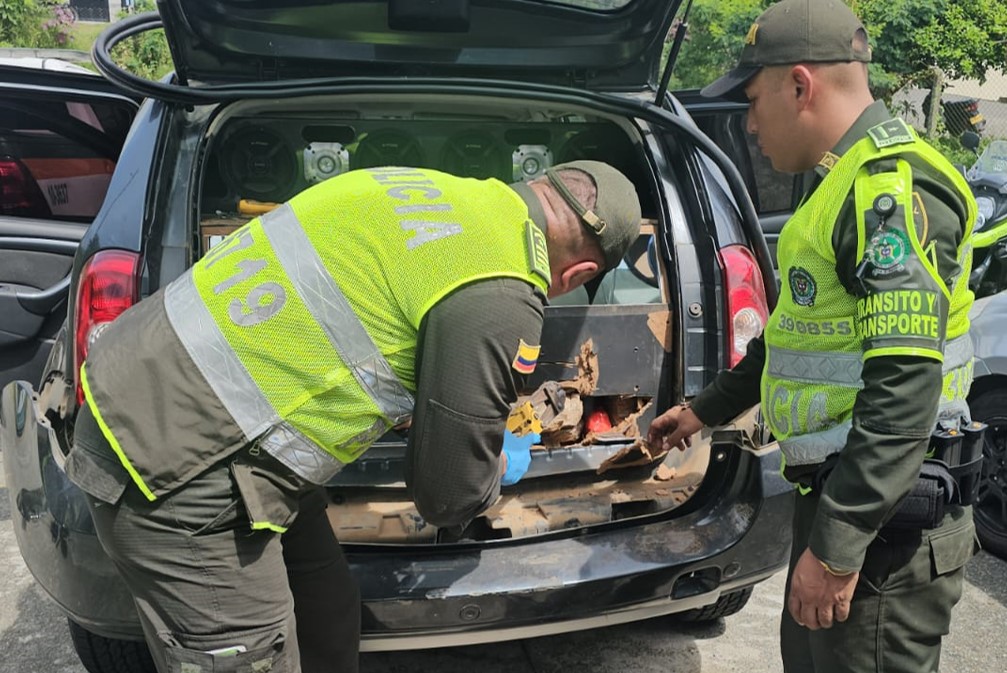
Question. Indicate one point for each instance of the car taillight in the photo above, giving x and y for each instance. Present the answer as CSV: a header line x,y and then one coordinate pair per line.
x,y
109,284
747,309
20,195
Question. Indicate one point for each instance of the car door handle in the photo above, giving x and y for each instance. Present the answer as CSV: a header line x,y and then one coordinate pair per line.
x,y
42,302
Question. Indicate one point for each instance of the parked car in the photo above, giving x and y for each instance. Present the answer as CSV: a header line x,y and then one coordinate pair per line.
x,y
264,103
61,130
776,195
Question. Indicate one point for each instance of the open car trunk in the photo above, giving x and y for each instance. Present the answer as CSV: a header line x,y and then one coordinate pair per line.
x,y
607,347
590,467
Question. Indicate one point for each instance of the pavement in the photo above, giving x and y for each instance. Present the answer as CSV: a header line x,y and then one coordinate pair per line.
x,y
34,636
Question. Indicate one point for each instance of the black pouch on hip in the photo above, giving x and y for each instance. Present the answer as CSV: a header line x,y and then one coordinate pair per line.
x,y
923,506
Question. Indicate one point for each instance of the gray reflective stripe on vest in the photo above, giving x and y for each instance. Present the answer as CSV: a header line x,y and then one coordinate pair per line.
x,y
235,388
814,447
327,304
837,369
215,359
958,354
300,454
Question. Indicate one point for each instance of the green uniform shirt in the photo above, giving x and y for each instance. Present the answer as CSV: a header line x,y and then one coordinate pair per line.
x,y
894,412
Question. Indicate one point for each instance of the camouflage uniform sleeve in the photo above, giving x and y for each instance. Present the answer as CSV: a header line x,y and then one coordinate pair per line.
x,y
902,315
468,378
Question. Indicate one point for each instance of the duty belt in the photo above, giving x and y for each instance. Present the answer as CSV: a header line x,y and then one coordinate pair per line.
x,y
949,475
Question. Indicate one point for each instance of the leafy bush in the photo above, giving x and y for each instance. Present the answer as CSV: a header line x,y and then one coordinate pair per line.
x,y
147,54
42,24
954,151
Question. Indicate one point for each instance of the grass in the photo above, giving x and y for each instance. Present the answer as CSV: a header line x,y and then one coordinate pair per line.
x,y
84,35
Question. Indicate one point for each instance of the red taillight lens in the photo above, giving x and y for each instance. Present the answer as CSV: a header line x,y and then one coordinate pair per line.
x,y
109,284
20,195
747,309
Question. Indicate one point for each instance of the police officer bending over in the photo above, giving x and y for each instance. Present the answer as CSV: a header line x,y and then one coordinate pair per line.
x,y
215,406
864,367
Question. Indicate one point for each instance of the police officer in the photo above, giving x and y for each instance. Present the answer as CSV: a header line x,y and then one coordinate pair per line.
x,y
216,405
866,354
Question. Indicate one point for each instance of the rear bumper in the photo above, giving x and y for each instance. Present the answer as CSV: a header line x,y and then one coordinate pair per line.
x,y
608,576
422,596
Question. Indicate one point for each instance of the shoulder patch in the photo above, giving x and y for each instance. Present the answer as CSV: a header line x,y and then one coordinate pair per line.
x,y
538,251
526,358
829,161
891,132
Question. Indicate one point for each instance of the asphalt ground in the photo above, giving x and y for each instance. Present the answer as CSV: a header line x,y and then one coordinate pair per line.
x,y
34,636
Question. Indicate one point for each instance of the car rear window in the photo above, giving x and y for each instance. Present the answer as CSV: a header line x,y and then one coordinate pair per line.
x,y
57,155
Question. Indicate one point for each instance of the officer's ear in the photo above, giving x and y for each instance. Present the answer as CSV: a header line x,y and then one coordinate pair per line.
x,y
572,276
803,85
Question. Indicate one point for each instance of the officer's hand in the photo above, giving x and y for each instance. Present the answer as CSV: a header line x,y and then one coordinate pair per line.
x,y
817,597
674,428
517,456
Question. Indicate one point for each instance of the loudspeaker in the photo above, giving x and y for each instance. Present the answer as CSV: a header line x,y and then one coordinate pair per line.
x,y
530,162
325,160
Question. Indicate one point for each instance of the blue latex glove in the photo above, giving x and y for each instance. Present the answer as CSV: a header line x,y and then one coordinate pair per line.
x,y
518,452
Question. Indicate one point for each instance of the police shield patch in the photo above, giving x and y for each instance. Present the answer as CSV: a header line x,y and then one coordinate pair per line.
x,y
802,287
526,358
886,251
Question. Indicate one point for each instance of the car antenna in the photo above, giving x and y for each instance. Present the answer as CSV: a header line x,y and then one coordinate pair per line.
x,y
676,46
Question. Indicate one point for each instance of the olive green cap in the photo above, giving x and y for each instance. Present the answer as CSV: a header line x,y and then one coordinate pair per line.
x,y
615,218
795,31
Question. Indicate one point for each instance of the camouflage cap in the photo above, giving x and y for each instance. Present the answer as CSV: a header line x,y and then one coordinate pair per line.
x,y
795,31
615,218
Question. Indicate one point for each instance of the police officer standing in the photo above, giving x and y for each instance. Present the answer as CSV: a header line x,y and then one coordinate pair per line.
x,y
866,360
216,405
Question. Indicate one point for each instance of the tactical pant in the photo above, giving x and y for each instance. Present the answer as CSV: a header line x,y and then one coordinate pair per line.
x,y
901,605
212,594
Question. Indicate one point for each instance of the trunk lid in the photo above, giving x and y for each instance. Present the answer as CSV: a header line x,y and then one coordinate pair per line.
x,y
589,43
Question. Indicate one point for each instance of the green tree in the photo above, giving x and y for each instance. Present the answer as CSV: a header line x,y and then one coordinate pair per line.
x,y
717,30
964,38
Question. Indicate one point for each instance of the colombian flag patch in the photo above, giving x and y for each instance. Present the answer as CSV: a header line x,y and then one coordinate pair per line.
x,y
526,358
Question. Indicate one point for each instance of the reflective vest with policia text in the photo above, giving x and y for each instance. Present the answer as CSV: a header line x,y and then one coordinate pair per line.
x,y
304,321
819,334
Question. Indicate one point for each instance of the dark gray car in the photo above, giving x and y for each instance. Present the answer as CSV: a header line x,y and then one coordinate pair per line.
x,y
269,98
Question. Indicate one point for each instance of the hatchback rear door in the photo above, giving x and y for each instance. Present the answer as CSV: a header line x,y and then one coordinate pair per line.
x,y
608,43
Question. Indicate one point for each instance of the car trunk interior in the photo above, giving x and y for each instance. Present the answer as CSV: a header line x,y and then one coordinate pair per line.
x,y
605,348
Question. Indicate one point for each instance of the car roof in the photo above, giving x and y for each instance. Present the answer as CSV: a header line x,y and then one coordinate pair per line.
x,y
44,63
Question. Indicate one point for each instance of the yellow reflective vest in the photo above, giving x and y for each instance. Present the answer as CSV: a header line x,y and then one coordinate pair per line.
x,y
304,321
819,333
